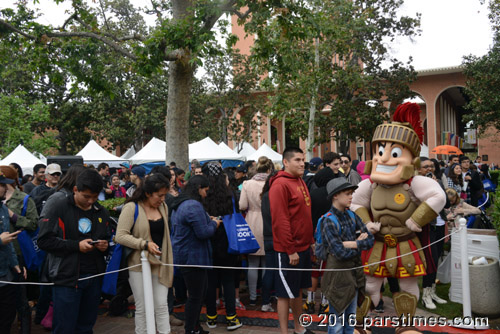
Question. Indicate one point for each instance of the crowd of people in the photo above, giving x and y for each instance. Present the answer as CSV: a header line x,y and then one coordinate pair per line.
x,y
177,217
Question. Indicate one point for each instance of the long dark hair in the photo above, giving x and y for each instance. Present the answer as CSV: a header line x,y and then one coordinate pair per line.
x,y
193,185
68,181
437,169
219,196
163,170
456,178
266,187
149,185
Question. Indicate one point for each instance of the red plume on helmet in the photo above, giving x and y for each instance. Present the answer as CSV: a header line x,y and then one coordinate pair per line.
x,y
410,113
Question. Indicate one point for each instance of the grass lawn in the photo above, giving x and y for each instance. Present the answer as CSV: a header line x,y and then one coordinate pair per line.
x,y
448,310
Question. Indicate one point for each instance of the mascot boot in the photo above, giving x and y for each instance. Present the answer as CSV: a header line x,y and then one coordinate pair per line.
x,y
406,306
362,310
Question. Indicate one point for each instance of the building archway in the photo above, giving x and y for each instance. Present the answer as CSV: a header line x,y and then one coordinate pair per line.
x,y
451,129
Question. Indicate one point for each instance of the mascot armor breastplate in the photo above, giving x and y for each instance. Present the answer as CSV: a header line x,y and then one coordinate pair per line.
x,y
392,214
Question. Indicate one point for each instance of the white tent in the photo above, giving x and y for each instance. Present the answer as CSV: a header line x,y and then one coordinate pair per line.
x,y
246,150
94,154
207,149
228,150
154,151
23,157
265,151
129,153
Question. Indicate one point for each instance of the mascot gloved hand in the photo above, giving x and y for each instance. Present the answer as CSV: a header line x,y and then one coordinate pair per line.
x,y
412,225
373,227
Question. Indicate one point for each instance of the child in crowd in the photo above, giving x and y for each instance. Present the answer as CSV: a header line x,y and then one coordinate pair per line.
x,y
343,236
118,191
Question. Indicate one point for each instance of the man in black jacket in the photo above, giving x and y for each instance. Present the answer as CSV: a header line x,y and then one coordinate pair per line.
x,y
472,182
74,233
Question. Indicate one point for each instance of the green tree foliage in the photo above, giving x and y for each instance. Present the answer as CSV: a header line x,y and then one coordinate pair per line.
x,y
183,34
483,79
90,90
226,109
19,121
325,61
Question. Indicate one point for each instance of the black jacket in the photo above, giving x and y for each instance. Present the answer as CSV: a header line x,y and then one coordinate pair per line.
x,y
267,221
59,237
475,187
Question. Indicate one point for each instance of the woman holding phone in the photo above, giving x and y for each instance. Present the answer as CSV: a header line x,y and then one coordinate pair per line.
x,y
143,225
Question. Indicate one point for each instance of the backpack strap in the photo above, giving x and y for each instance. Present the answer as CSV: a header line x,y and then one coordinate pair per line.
x,y
25,205
331,217
136,214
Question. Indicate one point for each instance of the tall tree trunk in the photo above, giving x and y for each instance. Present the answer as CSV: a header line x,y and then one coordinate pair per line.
x,y
177,125
311,128
179,93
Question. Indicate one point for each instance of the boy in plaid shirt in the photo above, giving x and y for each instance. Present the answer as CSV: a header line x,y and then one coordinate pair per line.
x,y
344,235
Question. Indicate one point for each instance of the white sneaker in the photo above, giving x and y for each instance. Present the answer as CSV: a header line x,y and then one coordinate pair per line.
x,y
427,299
267,308
435,297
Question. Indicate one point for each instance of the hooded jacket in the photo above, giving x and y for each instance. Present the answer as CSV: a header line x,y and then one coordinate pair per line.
x,y
319,201
291,213
59,237
192,229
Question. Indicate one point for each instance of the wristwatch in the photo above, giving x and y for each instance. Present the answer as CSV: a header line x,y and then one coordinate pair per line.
x,y
146,245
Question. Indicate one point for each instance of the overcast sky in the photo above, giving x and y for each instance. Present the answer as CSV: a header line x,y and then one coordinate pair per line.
x,y
450,30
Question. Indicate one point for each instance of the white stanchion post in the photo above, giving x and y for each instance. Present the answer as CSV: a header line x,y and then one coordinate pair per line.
x,y
467,321
464,263
148,294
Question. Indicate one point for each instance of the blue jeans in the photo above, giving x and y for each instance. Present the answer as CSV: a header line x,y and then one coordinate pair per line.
x,y
343,323
75,309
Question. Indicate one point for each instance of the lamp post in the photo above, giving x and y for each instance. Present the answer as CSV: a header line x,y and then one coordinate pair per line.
x,y
360,152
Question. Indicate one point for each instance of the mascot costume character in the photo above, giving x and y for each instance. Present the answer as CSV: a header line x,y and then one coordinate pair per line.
x,y
395,205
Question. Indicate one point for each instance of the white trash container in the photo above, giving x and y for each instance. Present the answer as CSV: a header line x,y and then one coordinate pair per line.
x,y
485,288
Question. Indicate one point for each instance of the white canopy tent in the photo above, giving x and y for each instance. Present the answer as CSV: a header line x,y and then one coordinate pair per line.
x,y
154,151
206,149
266,151
228,150
23,157
129,153
94,154
246,150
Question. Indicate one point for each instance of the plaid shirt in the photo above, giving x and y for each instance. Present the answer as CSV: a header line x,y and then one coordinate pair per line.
x,y
452,185
331,238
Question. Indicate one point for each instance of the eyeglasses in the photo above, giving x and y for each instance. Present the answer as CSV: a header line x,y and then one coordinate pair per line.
x,y
56,174
427,166
344,162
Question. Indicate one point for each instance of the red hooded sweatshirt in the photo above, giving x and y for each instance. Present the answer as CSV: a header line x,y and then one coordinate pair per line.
x,y
291,213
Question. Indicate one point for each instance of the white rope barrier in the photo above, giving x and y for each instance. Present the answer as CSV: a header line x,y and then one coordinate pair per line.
x,y
239,268
301,269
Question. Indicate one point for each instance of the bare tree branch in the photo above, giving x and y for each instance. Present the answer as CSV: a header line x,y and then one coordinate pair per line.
x,y
73,16
241,16
104,15
66,34
14,29
226,7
